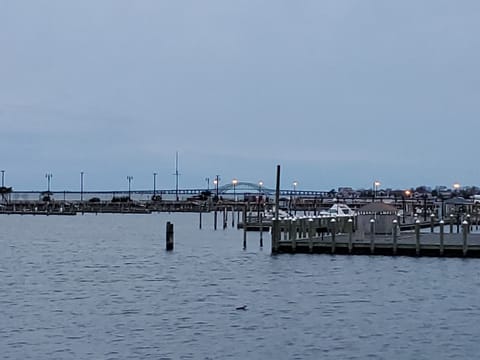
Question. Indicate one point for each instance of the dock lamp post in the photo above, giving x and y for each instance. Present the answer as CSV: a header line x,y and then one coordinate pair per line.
x,y
3,178
234,183
81,186
407,195
376,184
295,184
129,178
456,188
260,185
216,181
207,179
48,176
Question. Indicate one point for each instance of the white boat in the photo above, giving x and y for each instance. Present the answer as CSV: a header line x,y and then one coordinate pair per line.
x,y
338,210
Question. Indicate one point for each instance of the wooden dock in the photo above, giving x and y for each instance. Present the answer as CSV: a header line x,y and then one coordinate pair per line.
x,y
312,236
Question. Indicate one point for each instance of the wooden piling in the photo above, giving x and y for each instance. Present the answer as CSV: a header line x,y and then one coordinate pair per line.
x,y
215,219
372,236
225,218
311,234
169,236
465,237
417,237
350,235
200,219
275,235
293,233
395,236
442,235
261,230
432,222
333,224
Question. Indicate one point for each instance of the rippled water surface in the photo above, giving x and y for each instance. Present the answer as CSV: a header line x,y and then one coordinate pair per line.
x,y
102,287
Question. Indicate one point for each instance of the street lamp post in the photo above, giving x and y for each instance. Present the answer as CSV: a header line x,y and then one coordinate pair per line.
x,y
407,195
234,183
456,187
216,182
154,184
81,186
207,179
295,183
3,178
48,176
129,178
376,184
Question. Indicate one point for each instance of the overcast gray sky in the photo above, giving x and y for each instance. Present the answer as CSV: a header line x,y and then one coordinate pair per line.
x,y
339,93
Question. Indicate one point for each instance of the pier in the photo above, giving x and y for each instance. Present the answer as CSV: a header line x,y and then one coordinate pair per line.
x,y
330,236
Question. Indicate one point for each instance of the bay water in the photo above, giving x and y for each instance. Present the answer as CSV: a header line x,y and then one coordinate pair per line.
x,y
103,287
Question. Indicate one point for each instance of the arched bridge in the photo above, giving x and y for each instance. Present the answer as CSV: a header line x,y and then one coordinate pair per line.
x,y
243,187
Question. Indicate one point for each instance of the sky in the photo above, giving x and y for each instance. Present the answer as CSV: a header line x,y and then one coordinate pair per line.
x,y
336,92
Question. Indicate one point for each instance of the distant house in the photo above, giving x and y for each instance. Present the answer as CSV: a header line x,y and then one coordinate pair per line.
x,y
458,205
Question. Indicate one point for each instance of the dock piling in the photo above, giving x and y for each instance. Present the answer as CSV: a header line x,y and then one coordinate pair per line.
x,y
261,230
350,235
417,237
372,236
465,237
395,236
442,235
169,236
333,224
311,233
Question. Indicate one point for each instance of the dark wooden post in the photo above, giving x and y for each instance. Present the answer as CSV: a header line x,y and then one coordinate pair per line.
x,y
372,236
350,235
395,236
465,236
417,237
215,218
442,231
169,236
333,224
261,229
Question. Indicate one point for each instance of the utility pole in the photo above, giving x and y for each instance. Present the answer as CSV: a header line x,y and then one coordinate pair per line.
x,y
176,175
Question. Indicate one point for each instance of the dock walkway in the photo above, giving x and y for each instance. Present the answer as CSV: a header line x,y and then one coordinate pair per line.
x,y
304,236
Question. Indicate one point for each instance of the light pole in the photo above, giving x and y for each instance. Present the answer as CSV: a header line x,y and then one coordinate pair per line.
x,y
234,183
154,184
216,181
295,183
207,179
3,178
376,184
81,186
129,178
456,187
48,176
407,195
